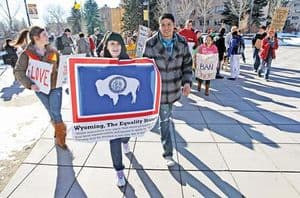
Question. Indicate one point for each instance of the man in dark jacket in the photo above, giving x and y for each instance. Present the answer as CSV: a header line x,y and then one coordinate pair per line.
x,y
174,61
220,43
256,44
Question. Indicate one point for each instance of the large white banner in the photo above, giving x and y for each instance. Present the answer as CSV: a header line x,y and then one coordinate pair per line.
x,y
141,41
40,73
206,66
113,98
62,73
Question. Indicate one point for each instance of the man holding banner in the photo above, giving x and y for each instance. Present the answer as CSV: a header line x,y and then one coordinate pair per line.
x,y
174,61
36,69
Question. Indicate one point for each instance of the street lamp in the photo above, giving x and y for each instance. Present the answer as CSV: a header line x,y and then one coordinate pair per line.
x,y
147,12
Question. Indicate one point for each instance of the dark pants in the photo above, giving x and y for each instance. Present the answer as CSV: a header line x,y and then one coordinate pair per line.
x,y
116,152
256,59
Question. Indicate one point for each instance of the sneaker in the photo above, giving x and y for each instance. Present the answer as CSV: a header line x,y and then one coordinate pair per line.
x,y
126,148
231,78
169,161
219,77
120,178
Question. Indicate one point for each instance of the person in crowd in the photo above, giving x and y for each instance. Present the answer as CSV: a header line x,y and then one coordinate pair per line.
x,y
243,47
207,48
38,48
83,46
98,36
67,42
234,52
220,43
199,37
228,38
114,47
92,46
131,47
174,61
11,57
257,44
269,45
188,33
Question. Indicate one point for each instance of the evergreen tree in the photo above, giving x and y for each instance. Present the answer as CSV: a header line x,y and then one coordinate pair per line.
x,y
257,12
133,15
91,15
75,20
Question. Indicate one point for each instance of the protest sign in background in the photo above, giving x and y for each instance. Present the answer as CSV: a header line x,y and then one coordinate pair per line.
x,y
206,66
279,18
141,41
62,73
40,73
112,98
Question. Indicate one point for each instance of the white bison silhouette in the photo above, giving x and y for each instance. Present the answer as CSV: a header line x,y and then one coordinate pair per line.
x,y
116,85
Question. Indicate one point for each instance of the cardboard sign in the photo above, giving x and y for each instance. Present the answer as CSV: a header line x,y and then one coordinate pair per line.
x,y
279,18
62,73
141,41
32,11
113,98
40,73
206,66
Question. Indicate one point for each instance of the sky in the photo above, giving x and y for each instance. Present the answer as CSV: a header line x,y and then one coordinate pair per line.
x,y
42,6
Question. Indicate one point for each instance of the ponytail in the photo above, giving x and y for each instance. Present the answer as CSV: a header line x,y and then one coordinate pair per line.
x,y
25,34
22,38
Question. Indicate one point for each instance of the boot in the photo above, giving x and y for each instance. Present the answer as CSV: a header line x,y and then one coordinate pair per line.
x,y
199,85
207,89
60,134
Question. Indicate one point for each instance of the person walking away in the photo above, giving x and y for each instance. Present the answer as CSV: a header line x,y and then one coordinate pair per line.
x,y
220,43
269,45
257,44
243,46
188,33
39,49
67,42
83,46
92,46
171,54
207,48
11,57
234,53
114,47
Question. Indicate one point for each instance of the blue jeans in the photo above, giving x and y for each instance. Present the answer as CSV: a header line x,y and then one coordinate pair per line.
x,y
52,103
165,113
265,67
256,58
116,152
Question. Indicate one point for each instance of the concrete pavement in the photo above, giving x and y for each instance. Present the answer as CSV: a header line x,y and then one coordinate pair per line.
x,y
242,140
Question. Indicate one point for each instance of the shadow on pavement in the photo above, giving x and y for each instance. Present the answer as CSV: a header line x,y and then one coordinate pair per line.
x,y
66,179
150,186
8,92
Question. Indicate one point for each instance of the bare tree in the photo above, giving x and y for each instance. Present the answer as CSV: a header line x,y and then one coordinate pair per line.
x,y
184,9
162,7
54,17
239,8
204,10
7,13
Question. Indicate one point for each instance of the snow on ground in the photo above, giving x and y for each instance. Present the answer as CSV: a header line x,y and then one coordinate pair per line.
x,y
20,113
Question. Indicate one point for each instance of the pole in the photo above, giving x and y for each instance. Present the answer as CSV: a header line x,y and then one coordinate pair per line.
x,y
28,18
148,7
9,16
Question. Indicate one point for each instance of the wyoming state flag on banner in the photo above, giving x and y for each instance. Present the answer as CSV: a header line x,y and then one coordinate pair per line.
x,y
113,98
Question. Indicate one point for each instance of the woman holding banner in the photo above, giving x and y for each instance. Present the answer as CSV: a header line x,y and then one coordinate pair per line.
x,y
36,69
208,47
114,47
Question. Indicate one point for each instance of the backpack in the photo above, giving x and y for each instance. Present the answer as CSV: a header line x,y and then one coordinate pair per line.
x,y
59,44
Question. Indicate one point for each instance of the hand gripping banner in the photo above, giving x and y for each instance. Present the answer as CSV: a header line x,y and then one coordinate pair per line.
x,y
113,98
